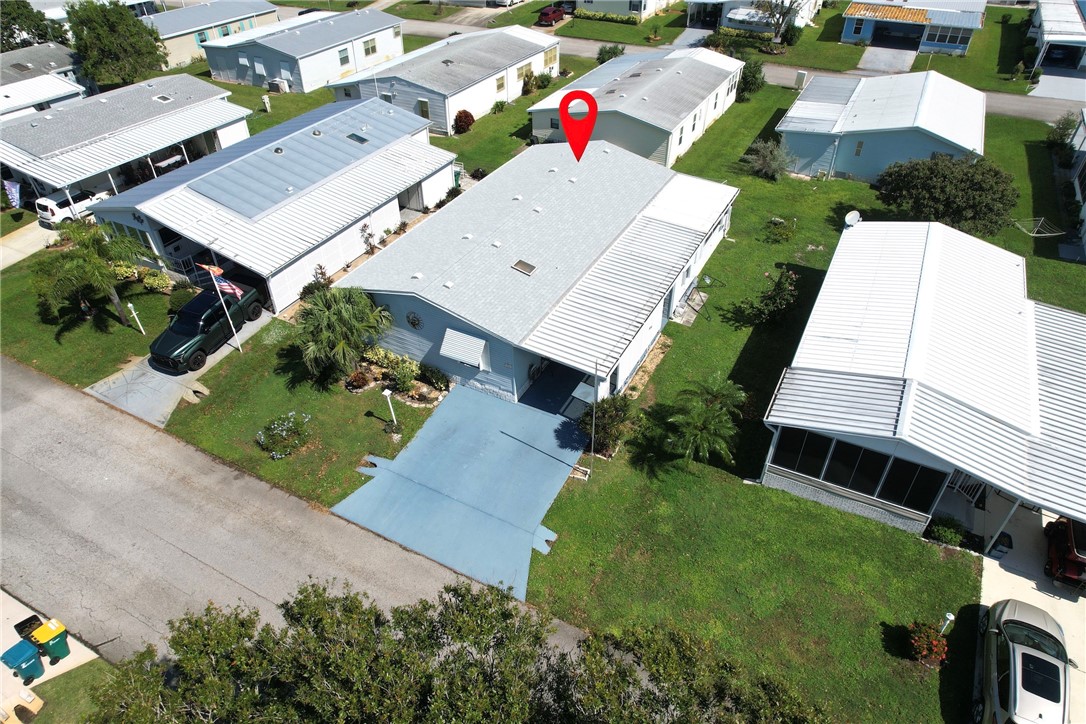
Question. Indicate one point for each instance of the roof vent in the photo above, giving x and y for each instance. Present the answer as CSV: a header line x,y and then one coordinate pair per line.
x,y
538,209
278,150
48,118
52,64
658,70
644,98
496,244
163,99
33,124
466,236
573,179
610,92
524,267
634,75
552,169
290,189
448,284
678,72
317,132
607,150
621,95
417,275
518,197
103,100
447,62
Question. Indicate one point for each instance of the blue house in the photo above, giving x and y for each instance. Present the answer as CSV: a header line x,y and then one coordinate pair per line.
x,y
856,127
929,26
549,263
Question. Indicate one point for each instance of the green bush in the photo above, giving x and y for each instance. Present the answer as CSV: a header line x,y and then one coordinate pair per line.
x,y
945,529
156,281
463,121
614,421
791,34
751,81
529,86
606,17
402,373
778,231
498,107
434,377
771,305
179,297
379,356
283,435
1029,54
609,52
452,193
723,37
320,281
543,80
123,271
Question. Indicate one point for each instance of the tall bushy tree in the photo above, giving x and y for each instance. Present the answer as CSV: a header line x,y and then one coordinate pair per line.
x,y
117,48
706,424
752,79
971,194
780,12
22,25
84,271
336,325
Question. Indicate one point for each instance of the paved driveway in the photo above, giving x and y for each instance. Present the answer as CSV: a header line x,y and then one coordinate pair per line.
x,y
115,527
471,489
887,60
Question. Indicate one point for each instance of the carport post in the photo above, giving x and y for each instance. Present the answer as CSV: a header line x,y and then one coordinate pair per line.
x,y
1007,519
595,399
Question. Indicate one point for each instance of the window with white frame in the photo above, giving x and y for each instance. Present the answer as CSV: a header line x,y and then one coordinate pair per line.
x,y
716,99
369,47
550,56
396,32
859,147
243,59
344,56
524,70
424,108
258,65
286,70
948,36
386,97
499,83
554,123
857,26
347,92
201,37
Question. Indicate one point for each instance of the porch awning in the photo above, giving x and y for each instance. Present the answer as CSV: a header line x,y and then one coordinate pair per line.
x,y
463,348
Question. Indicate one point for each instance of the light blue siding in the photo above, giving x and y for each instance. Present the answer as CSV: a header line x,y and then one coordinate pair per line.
x,y
814,152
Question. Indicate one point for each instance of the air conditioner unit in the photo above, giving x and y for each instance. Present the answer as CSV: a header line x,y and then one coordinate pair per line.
x,y
278,85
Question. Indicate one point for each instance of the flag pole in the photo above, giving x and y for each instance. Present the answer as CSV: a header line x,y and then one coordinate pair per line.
x,y
227,311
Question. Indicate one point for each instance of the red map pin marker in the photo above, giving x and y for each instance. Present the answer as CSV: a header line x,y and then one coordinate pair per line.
x,y
578,130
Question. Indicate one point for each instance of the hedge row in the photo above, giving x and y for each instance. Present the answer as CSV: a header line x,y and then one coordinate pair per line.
x,y
606,17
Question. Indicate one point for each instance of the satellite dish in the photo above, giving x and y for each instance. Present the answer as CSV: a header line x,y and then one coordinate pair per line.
x,y
852,218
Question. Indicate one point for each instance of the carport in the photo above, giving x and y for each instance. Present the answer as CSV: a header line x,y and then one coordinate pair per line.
x,y
901,36
470,491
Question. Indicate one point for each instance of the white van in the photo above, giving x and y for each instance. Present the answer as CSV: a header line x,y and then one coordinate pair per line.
x,y
56,207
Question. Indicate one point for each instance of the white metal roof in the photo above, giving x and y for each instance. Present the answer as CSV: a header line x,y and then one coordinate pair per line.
x,y
316,32
928,101
260,31
32,91
111,151
995,384
200,16
1062,21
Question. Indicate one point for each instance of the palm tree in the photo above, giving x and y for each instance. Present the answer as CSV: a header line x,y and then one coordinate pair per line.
x,y
717,391
336,325
703,430
85,270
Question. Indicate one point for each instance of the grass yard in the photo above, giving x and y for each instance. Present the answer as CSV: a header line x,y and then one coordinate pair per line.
x,y
16,218
75,351
523,14
668,26
414,42
818,47
422,10
337,6
68,697
992,54
268,380
497,137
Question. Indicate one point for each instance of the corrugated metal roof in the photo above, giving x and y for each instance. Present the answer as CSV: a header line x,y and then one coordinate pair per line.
x,y
260,31
892,102
32,91
887,12
1062,21
35,60
952,13
325,32
455,63
998,382
274,173
89,120
463,347
839,401
126,145
597,274
205,15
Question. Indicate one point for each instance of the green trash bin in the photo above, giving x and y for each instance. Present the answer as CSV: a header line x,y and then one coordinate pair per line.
x,y
52,640
456,177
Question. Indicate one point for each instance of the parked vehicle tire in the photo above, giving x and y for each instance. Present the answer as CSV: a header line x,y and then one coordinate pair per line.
x,y
197,361
978,712
253,312
1049,570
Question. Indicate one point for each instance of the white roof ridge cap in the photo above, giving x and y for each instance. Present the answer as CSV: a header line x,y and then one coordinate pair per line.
x,y
917,347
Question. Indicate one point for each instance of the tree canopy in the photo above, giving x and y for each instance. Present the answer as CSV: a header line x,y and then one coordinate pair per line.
x,y
336,325
24,26
117,48
474,655
969,193
780,12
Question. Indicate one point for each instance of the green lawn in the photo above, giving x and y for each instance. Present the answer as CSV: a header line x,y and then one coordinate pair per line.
x,y
497,137
819,47
414,42
76,351
16,218
668,26
422,10
337,6
68,697
992,56
268,380
523,14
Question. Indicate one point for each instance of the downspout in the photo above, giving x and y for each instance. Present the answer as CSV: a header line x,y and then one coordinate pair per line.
x,y
833,158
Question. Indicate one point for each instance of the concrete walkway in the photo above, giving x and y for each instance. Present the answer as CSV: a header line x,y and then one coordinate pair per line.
x,y
23,242
12,611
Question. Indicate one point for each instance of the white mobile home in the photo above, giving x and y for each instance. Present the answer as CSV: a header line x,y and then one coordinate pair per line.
x,y
290,198
465,72
549,263
37,77
184,30
307,52
653,104
1060,29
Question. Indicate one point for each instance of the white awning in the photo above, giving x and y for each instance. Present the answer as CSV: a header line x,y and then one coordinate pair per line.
x,y
463,348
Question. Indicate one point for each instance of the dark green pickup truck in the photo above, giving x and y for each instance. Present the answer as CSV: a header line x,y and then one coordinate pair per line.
x,y
201,327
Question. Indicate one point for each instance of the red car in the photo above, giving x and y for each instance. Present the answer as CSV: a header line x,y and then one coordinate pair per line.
x,y
1066,552
551,15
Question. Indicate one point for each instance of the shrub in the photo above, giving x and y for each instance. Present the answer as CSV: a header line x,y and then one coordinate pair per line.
x,y
926,644
401,227
1029,54
1019,70
791,34
479,174
452,193
357,380
284,434
434,377
609,52
751,81
945,529
320,281
5,202
179,297
606,17
463,121
1036,77
543,80
499,107
123,271
1062,130
654,31
723,37
779,231
768,159
379,356
402,373
529,86
614,421
772,304
156,281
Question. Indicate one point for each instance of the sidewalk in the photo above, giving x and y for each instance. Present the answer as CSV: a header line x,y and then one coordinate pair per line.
x,y
23,242
11,612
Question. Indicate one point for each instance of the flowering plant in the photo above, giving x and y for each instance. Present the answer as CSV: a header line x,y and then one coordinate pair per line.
x,y
283,435
928,645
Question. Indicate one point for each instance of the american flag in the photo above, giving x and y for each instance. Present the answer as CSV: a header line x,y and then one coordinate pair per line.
x,y
224,285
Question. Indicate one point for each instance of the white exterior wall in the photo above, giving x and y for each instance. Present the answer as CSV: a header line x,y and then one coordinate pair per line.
x,y
436,186
231,134
622,7
721,98
319,69
478,99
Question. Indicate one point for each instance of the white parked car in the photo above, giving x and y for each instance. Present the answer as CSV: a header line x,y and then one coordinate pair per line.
x,y
56,207
506,3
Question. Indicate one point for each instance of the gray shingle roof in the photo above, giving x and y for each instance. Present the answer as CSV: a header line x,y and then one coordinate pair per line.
x,y
89,119
304,40
460,61
205,15
24,63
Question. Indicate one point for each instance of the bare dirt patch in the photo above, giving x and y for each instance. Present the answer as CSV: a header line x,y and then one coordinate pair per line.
x,y
644,372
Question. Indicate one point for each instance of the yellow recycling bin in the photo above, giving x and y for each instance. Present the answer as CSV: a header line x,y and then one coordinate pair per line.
x,y
52,638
